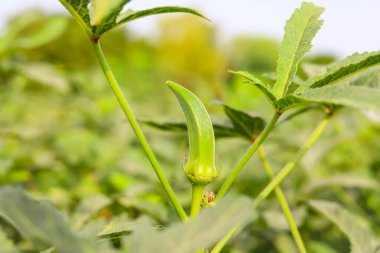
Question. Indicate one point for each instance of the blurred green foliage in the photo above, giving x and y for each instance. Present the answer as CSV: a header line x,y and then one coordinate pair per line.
x,y
63,137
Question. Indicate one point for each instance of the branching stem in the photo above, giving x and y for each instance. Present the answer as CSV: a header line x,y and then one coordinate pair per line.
x,y
284,204
250,152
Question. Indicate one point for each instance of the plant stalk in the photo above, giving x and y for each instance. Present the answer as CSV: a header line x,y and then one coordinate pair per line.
x,y
276,181
279,177
136,128
222,243
197,194
284,204
250,152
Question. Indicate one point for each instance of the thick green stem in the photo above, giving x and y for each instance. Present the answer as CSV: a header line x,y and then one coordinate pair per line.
x,y
250,152
136,128
292,163
284,204
197,190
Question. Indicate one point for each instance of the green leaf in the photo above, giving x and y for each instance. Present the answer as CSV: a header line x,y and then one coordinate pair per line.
x,y
354,227
104,13
201,165
246,125
200,232
38,222
79,10
353,96
300,29
343,69
259,84
130,15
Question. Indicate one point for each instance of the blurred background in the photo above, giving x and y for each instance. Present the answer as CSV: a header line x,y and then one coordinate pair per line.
x,y
64,138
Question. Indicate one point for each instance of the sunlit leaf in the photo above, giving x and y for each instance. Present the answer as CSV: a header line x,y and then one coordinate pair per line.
x,y
354,227
353,96
130,15
343,69
79,10
104,13
300,29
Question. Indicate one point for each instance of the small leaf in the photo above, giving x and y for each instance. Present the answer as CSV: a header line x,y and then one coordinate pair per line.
x,y
259,84
343,69
39,222
79,10
201,165
200,232
248,126
354,227
130,15
300,29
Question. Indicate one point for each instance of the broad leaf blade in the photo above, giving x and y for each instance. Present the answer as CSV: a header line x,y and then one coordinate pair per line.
x,y
130,15
353,96
79,10
259,84
200,232
343,69
361,237
38,222
246,125
300,29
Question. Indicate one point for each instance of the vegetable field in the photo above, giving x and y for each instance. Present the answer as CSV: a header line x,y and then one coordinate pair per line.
x,y
112,142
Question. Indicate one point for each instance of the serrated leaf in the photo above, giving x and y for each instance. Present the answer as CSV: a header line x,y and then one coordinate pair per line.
x,y
79,10
343,69
353,96
200,232
38,222
300,29
130,15
104,14
245,124
259,84
354,227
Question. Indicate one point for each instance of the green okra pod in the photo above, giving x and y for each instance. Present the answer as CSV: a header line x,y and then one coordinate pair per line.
x,y
200,168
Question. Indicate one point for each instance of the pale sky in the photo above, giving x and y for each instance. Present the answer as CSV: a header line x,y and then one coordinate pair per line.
x,y
350,25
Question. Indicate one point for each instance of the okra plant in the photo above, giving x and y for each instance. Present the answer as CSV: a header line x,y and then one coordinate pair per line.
x,y
343,84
